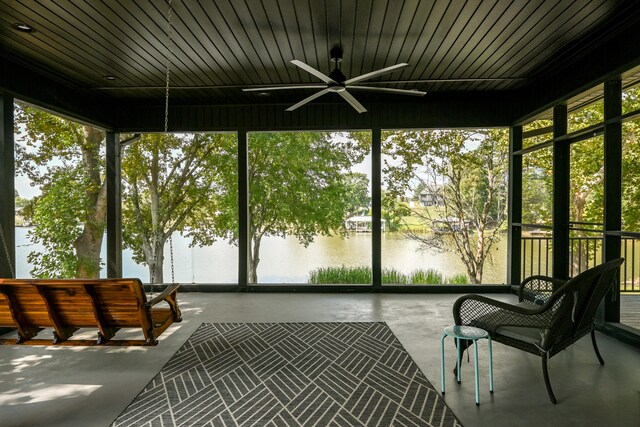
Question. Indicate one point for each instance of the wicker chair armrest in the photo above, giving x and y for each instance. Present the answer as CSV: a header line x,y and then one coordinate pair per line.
x,y
538,289
489,314
166,293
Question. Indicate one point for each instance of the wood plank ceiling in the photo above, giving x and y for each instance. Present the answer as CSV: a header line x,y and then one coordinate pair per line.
x,y
220,47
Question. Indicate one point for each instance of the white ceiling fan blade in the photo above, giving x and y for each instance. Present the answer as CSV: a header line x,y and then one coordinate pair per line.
x,y
313,71
376,73
352,101
262,89
389,90
308,99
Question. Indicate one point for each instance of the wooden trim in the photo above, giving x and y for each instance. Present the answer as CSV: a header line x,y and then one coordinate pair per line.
x,y
7,184
537,132
561,197
515,207
582,134
534,148
244,246
114,205
612,190
376,208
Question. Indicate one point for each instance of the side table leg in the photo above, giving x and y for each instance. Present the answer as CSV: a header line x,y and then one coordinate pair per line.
x,y
458,360
442,362
490,366
475,357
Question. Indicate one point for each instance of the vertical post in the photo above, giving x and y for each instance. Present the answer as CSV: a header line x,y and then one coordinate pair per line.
x,y
243,209
376,208
612,187
561,196
114,206
515,206
7,187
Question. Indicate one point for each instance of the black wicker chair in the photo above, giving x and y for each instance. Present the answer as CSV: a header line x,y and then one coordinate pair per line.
x,y
552,314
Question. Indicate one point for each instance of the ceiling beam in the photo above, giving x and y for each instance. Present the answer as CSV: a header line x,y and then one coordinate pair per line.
x,y
25,84
435,110
608,60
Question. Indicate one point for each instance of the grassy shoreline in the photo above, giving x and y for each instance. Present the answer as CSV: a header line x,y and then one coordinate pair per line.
x,y
362,275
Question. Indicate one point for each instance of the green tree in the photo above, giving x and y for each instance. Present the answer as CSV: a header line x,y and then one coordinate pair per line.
x,y
468,170
631,162
537,187
357,192
299,186
167,180
64,159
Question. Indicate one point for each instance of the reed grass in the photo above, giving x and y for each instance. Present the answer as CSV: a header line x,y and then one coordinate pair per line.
x,y
362,275
458,279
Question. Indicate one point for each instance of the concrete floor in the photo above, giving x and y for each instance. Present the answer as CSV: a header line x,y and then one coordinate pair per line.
x,y
90,386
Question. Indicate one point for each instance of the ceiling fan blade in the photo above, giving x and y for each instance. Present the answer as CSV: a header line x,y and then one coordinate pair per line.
x,y
262,89
352,101
389,90
309,69
308,99
376,73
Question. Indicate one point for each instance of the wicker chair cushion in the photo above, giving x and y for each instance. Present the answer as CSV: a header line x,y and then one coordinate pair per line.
x,y
535,336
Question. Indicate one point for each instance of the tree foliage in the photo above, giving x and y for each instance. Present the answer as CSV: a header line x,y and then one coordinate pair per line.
x,y
299,186
467,171
631,162
64,159
167,179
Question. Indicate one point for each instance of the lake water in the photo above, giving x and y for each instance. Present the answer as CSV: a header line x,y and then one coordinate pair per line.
x,y
284,260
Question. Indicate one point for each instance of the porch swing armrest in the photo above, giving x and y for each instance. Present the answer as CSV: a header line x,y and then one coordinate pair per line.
x,y
168,292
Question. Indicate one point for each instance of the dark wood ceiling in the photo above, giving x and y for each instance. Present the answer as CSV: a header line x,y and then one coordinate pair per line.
x,y
222,46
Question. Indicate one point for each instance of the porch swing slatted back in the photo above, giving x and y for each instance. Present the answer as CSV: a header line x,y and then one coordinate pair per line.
x,y
66,305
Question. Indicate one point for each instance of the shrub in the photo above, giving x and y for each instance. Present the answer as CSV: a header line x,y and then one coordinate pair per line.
x,y
426,277
362,275
458,279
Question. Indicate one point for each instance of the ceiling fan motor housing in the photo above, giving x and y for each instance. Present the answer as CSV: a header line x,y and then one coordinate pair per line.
x,y
336,53
337,76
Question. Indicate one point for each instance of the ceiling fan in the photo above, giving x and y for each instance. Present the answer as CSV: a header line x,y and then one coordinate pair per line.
x,y
338,83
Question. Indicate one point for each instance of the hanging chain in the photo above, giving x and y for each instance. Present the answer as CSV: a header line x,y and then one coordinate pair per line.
x,y
6,252
166,114
173,274
168,68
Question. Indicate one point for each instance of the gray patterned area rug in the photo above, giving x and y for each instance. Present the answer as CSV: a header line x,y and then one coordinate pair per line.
x,y
289,374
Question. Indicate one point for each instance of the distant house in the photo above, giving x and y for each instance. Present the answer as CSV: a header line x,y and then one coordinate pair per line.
x,y
447,225
430,198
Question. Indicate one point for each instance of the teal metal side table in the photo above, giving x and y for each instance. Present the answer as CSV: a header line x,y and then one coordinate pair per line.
x,y
466,333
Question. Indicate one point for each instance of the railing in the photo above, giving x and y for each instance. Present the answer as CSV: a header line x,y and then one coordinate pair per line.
x,y
584,252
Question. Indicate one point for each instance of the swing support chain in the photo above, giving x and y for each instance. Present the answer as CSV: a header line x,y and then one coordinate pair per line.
x,y
6,252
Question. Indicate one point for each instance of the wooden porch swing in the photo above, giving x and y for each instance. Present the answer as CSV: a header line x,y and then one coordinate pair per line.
x,y
66,305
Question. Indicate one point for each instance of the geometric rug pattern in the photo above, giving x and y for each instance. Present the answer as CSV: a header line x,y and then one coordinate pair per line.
x,y
289,374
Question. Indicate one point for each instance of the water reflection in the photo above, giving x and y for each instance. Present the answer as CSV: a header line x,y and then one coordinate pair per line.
x,y
284,260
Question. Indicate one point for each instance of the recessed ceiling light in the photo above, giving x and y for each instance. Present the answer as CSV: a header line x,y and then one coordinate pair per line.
x,y
22,27
109,77
263,94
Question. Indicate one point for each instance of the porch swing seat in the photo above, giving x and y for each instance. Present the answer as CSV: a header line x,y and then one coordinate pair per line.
x,y
66,305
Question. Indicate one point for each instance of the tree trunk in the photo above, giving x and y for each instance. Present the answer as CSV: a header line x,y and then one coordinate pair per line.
x,y
89,243
254,259
156,274
580,261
